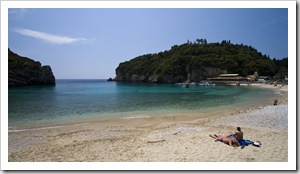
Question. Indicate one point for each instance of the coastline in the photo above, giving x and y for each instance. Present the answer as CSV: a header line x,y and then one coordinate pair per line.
x,y
161,139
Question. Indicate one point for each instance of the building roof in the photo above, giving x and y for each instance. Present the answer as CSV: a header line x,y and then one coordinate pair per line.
x,y
228,75
226,78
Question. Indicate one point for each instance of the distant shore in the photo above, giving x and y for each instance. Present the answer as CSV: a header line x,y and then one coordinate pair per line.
x,y
183,138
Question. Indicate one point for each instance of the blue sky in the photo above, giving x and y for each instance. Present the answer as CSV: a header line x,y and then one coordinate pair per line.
x,y
90,43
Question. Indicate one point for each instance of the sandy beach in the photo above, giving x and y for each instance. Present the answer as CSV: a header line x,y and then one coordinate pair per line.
x,y
182,138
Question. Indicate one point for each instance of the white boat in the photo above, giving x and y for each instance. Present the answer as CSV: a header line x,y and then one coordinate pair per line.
x,y
187,85
207,84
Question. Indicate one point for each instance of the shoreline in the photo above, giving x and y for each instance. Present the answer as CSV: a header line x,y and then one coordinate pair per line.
x,y
173,139
191,114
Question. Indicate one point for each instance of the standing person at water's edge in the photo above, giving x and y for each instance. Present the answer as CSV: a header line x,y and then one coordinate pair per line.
x,y
275,102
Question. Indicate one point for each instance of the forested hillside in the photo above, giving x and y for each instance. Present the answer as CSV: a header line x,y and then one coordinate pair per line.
x,y
200,60
23,71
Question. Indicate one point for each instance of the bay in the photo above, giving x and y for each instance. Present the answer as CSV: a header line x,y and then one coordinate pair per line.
x,y
79,101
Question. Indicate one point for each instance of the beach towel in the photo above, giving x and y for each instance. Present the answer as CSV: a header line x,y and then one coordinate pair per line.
x,y
245,142
242,142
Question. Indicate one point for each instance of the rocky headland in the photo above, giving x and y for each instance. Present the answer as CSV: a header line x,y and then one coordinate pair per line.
x,y
198,61
23,71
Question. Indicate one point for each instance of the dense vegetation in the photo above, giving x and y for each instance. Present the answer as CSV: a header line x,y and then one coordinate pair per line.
x,y
23,71
198,61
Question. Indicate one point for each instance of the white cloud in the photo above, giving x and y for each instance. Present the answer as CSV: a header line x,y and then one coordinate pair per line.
x,y
55,39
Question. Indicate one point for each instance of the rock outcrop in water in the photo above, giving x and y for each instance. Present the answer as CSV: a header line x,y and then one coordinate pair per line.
x,y
198,61
23,71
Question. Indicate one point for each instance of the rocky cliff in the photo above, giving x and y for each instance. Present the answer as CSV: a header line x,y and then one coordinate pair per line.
x,y
23,71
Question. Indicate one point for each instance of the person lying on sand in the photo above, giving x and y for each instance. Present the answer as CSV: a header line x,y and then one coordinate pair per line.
x,y
226,140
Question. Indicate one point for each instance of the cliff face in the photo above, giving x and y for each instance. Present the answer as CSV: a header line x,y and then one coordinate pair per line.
x,y
196,62
23,71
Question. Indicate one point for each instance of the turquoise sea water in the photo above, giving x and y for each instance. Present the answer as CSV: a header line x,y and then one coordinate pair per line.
x,y
77,101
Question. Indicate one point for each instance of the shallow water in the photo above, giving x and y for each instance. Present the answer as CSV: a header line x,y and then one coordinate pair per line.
x,y
77,101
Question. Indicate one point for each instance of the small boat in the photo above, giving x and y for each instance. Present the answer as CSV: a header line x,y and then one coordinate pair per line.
x,y
207,84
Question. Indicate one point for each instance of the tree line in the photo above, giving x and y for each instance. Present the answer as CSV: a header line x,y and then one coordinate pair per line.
x,y
198,60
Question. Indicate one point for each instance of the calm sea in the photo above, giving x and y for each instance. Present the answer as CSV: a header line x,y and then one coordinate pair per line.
x,y
78,101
